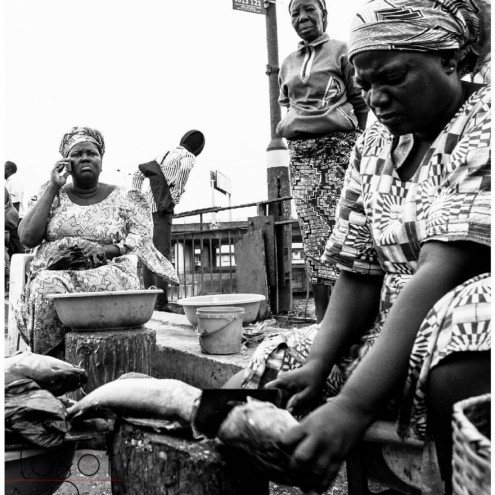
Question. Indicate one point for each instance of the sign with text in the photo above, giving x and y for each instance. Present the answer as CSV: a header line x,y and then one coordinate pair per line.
x,y
254,6
222,182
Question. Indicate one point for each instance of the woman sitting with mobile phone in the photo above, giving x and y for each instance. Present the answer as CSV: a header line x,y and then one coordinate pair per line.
x,y
82,231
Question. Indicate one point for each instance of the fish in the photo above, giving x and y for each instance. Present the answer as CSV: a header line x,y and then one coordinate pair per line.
x,y
254,430
49,373
139,397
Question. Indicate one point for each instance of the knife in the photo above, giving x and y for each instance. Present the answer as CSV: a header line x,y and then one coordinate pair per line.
x,y
215,405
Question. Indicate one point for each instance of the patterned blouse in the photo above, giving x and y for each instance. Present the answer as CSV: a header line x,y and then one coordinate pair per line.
x,y
382,221
123,219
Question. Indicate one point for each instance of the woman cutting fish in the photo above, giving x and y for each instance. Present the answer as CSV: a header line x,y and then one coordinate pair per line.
x,y
408,325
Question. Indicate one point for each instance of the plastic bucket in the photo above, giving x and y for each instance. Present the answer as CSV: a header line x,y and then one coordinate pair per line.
x,y
220,329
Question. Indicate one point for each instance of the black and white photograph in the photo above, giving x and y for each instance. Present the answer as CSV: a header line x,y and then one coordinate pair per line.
x,y
247,247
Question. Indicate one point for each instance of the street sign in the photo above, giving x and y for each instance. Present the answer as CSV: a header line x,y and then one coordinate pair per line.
x,y
221,182
254,6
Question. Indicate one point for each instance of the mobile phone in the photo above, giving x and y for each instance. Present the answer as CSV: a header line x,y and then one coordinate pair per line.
x,y
69,166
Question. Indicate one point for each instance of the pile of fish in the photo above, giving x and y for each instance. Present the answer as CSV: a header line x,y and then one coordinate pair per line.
x,y
33,410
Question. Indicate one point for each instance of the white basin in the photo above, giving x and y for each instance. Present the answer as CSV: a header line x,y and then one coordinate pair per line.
x,y
249,302
106,310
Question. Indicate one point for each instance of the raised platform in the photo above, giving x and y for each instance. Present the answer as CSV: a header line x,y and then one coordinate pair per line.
x,y
178,354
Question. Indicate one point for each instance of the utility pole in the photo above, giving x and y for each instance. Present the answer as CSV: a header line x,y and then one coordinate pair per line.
x,y
277,162
277,156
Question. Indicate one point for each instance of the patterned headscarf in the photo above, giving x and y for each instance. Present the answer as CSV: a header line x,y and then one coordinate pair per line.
x,y
323,7
419,25
81,135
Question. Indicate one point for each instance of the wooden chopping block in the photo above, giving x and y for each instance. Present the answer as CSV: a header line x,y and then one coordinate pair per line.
x,y
144,461
107,355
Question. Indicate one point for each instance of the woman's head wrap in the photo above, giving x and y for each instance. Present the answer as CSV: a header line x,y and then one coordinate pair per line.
x,y
419,25
81,135
323,7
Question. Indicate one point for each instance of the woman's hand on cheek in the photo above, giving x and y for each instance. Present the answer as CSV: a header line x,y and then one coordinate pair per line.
x,y
321,442
58,177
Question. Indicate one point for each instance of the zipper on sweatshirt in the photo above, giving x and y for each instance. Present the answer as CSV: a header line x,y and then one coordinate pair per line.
x,y
307,65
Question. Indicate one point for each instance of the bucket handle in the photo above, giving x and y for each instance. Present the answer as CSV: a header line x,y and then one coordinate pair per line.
x,y
207,334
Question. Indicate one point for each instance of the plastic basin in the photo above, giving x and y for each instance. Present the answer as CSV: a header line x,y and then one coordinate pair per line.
x,y
249,302
37,471
108,310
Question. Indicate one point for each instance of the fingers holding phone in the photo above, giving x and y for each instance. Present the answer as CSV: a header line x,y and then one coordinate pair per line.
x,y
61,171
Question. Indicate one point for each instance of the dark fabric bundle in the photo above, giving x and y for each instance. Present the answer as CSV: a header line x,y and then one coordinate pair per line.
x,y
73,258
32,412
34,415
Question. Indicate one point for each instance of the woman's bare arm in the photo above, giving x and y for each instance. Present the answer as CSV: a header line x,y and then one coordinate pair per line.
x,y
442,266
33,226
352,309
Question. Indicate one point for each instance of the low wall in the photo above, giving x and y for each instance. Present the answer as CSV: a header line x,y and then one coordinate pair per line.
x,y
178,354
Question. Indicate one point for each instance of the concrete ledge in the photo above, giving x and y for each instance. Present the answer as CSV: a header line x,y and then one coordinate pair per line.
x,y
178,354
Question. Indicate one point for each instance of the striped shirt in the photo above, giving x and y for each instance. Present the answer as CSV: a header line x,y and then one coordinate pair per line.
x,y
176,167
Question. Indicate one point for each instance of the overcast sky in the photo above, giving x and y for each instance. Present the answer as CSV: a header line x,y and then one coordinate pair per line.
x,y
143,72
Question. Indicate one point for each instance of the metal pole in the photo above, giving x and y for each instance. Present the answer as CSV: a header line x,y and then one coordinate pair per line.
x,y
277,159
213,214
278,170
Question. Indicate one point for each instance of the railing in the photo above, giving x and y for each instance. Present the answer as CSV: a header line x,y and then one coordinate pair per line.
x,y
204,254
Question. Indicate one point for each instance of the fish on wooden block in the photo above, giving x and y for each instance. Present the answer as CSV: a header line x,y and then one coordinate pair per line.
x,y
140,398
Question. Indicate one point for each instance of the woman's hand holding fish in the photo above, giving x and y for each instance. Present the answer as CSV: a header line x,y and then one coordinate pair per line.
x,y
321,442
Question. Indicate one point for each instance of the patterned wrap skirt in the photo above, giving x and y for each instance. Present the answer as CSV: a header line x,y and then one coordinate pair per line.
x,y
317,168
459,322
36,316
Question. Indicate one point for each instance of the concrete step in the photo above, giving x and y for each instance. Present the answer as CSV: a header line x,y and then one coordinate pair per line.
x,y
178,354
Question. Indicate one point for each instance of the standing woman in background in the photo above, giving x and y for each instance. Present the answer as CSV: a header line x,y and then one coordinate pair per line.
x,y
325,111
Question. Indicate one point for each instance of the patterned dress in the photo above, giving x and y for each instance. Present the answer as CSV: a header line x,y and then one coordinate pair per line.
x,y
381,223
317,169
122,219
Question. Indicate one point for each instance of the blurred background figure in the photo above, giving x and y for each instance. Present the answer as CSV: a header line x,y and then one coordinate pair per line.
x,y
325,113
11,223
15,188
167,179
